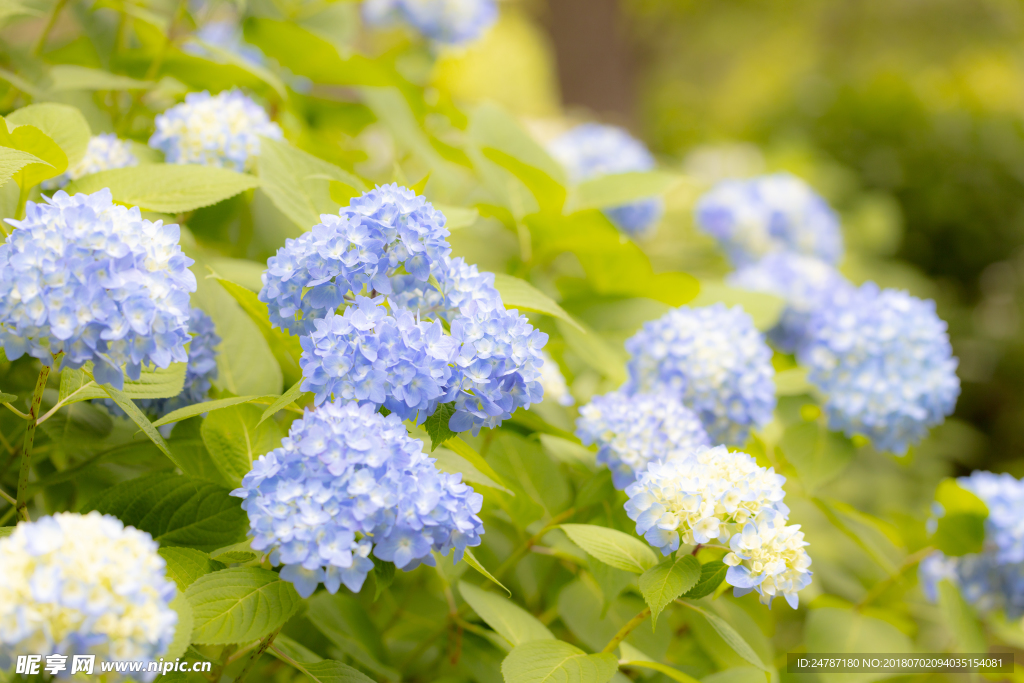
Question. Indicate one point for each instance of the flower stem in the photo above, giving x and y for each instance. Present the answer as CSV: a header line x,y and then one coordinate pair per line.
x,y
50,21
626,630
264,644
30,437
530,542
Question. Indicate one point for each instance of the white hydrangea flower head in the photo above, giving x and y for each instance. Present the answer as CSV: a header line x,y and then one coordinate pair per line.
x,y
214,130
768,556
553,382
714,360
83,584
103,153
632,430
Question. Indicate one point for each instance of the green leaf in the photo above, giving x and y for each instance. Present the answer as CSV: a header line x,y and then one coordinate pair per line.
x,y
390,106
64,124
153,382
13,160
74,77
511,621
470,559
239,605
136,416
612,581
792,382
961,529
620,188
236,552
167,188
593,350
551,661
52,159
205,407
818,455
960,619
517,293
294,393
235,438
731,637
633,657
347,625
831,629
765,309
286,348
330,671
612,547
183,629
7,398
437,425
13,8
457,217
177,510
549,194
185,565
298,183
662,584
451,462
236,59
711,576
463,449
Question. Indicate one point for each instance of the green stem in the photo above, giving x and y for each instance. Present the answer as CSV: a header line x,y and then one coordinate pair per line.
x,y
530,542
51,20
626,630
908,563
264,644
30,437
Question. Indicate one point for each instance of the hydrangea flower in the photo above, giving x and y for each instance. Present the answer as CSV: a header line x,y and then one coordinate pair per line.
x,y
226,35
807,284
199,373
884,361
214,130
553,382
97,282
83,584
633,430
780,212
449,22
103,153
703,494
994,578
714,360
348,481
591,150
386,233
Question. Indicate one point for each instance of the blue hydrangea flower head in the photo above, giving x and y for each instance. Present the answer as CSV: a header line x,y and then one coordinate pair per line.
x,y
780,212
884,362
103,153
214,130
702,494
993,579
199,373
226,35
591,150
552,381
348,481
714,360
96,281
387,233
632,430
446,22
807,284
83,584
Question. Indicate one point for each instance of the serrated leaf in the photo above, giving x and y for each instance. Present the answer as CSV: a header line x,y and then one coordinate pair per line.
x,y
136,416
520,294
235,438
551,661
239,605
511,621
613,547
52,159
470,559
330,671
731,637
662,584
712,574
185,565
13,160
437,425
236,552
289,397
74,77
153,382
620,188
183,629
177,510
63,123
167,188
205,407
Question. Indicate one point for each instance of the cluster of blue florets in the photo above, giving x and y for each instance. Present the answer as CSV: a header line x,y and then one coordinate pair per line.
x,y
97,282
714,360
345,482
214,130
805,283
752,218
994,578
449,22
885,364
199,373
633,430
435,330
591,150
103,153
